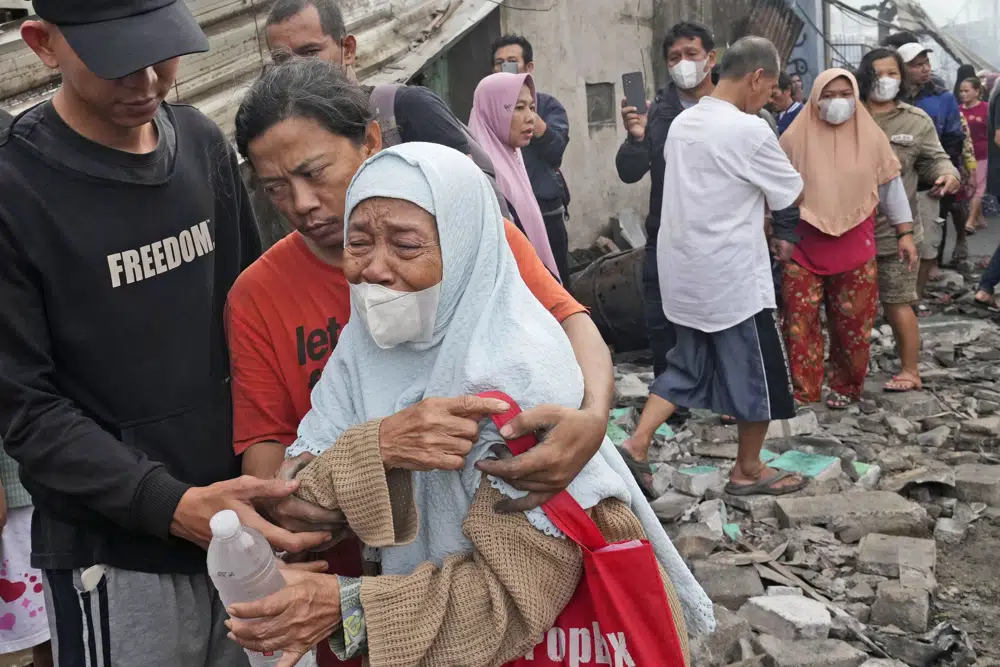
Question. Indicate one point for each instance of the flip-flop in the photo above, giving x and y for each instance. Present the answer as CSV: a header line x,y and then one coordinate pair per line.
x,y
638,470
728,420
990,305
837,401
766,487
902,385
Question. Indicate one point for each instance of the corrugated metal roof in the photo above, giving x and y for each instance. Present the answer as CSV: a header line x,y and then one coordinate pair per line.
x,y
773,19
395,39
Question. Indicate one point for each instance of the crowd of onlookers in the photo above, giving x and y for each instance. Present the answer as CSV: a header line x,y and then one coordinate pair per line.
x,y
158,366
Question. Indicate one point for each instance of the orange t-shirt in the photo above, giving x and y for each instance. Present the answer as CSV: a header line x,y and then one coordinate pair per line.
x,y
284,317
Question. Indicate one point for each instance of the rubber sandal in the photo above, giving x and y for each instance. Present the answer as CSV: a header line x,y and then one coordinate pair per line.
x,y
923,311
638,469
902,385
990,305
728,420
837,401
766,487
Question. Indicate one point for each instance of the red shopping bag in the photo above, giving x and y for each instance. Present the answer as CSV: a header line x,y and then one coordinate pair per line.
x,y
619,614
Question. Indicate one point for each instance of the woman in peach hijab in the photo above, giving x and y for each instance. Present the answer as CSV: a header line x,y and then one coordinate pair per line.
x,y
849,170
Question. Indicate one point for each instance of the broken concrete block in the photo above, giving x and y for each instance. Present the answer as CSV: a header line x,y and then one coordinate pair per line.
x,y
854,514
630,387
913,405
904,607
759,507
940,476
862,592
788,617
724,643
936,437
628,229
663,478
803,423
950,531
899,426
672,505
695,541
945,355
728,585
695,481
783,590
983,425
809,653
883,554
976,482
883,662
716,450
868,475
813,466
713,514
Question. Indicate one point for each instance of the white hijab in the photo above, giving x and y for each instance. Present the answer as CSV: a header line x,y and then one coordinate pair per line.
x,y
491,333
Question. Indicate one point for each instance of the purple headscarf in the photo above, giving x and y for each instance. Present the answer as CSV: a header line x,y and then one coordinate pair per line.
x,y
492,112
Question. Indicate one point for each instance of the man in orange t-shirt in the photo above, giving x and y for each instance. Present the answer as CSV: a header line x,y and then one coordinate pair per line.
x,y
306,133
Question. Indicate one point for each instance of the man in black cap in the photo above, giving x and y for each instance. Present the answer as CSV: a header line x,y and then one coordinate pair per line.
x,y
123,224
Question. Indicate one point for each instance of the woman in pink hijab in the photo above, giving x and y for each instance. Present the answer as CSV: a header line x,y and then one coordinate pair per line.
x,y
503,120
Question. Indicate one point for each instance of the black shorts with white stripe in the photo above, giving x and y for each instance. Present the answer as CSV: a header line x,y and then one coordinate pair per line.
x,y
741,371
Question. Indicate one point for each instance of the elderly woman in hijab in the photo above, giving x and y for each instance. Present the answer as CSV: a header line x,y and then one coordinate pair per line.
x,y
503,121
438,309
849,170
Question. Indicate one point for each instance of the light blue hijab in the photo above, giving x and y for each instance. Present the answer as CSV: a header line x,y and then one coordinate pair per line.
x,y
491,333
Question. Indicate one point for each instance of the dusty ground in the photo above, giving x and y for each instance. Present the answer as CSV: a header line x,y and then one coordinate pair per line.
x,y
969,593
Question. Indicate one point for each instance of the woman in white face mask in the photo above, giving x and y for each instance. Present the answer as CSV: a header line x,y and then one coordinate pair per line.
x,y
849,171
439,310
915,142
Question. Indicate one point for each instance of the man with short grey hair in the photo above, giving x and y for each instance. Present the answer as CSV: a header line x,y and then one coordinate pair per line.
x,y
723,164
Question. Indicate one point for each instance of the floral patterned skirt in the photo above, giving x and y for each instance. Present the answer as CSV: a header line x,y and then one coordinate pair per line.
x,y
851,300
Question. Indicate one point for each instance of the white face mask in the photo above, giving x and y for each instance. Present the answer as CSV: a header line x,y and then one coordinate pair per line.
x,y
885,89
687,74
837,110
392,317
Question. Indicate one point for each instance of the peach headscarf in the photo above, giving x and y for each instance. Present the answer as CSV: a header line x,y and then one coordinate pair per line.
x,y
842,166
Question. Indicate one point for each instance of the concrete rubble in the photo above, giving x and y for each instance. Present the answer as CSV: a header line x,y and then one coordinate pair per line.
x,y
843,573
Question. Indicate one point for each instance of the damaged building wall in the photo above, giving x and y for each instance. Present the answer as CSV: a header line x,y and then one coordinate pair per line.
x,y
212,81
581,51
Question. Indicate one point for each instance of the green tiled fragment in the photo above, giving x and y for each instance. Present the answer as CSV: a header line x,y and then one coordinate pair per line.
x,y
665,432
766,455
862,468
617,434
619,413
808,465
698,470
732,531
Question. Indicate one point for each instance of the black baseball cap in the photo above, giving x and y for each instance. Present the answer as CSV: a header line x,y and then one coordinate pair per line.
x,y
115,38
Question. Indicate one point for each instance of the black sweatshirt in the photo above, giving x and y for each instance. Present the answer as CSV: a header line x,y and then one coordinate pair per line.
x,y
114,391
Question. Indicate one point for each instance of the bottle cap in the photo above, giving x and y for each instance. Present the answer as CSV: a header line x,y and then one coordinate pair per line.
x,y
225,524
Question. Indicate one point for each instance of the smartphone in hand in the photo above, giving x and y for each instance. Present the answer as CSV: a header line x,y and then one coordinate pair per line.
x,y
510,68
635,91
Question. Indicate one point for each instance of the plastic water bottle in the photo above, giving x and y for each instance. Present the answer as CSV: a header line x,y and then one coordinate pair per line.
x,y
243,569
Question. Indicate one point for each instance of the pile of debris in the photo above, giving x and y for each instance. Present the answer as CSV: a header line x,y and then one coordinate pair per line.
x,y
843,572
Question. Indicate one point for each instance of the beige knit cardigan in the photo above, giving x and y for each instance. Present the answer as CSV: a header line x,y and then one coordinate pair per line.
x,y
479,609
